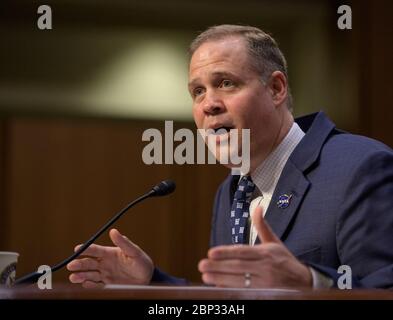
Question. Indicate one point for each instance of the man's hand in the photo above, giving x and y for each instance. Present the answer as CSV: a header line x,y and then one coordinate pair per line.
x,y
125,263
270,264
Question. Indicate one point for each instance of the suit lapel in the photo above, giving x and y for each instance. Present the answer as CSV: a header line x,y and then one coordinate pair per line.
x,y
293,182
294,185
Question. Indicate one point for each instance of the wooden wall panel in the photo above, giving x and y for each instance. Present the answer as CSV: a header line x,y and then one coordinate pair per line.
x,y
65,178
371,32
3,230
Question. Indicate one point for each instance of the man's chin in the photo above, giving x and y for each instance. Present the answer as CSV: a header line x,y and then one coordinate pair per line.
x,y
231,160
233,166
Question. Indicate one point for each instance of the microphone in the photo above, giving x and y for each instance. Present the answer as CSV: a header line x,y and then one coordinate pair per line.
x,y
162,189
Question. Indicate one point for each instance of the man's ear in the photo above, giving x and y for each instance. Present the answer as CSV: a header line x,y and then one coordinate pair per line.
x,y
278,86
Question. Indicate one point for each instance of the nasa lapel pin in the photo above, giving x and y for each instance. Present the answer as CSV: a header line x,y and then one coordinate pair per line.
x,y
283,201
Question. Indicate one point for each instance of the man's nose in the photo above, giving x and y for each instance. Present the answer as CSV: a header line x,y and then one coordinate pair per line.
x,y
212,104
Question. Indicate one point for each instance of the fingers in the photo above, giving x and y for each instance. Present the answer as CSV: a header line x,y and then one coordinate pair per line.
x,y
83,264
93,250
88,284
265,234
81,277
235,252
229,273
227,266
128,247
224,280
125,262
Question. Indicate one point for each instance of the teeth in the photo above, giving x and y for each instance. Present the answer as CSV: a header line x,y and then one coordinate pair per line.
x,y
222,130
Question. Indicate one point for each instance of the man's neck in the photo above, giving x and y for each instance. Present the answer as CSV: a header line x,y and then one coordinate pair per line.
x,y
286,124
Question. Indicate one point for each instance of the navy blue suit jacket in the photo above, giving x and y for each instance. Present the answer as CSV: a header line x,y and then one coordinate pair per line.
x,y
341,209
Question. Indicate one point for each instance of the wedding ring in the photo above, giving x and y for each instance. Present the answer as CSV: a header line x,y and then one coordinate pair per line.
x,y
247,280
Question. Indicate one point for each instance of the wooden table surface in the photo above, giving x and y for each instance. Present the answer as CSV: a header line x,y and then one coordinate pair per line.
x,y
75,292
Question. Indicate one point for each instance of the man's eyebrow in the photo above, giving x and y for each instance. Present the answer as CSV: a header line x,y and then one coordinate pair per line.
x,y
223,74
216,74
193,83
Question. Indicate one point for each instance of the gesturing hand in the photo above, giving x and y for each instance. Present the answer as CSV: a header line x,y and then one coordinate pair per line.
x,y
269,264
125,263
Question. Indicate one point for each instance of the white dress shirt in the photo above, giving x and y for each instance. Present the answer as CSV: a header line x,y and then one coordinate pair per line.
x,y
266,176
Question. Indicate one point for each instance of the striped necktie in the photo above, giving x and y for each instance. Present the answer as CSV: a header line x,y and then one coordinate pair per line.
x,y
240,209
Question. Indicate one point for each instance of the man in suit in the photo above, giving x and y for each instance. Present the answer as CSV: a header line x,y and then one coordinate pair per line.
x,y
315,198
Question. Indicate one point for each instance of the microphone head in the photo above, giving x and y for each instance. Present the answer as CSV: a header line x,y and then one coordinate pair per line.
x,y
163,188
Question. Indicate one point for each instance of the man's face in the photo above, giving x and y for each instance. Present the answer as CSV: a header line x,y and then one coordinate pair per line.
x,y
228,94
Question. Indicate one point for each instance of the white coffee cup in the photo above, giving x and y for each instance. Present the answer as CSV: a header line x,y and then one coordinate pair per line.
x,y
8,262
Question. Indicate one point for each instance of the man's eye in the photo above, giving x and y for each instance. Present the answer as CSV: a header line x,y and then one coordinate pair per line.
x,y
197,92
226,84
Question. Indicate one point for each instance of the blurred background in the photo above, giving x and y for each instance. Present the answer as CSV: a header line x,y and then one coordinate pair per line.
x,y
75,100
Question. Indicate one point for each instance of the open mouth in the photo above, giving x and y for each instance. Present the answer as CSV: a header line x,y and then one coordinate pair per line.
x,y
222,130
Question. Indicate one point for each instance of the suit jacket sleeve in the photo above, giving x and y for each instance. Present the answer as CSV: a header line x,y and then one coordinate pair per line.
x,y
161,277
364,226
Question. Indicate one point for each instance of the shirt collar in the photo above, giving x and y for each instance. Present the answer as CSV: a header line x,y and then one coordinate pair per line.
x,y
266,175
